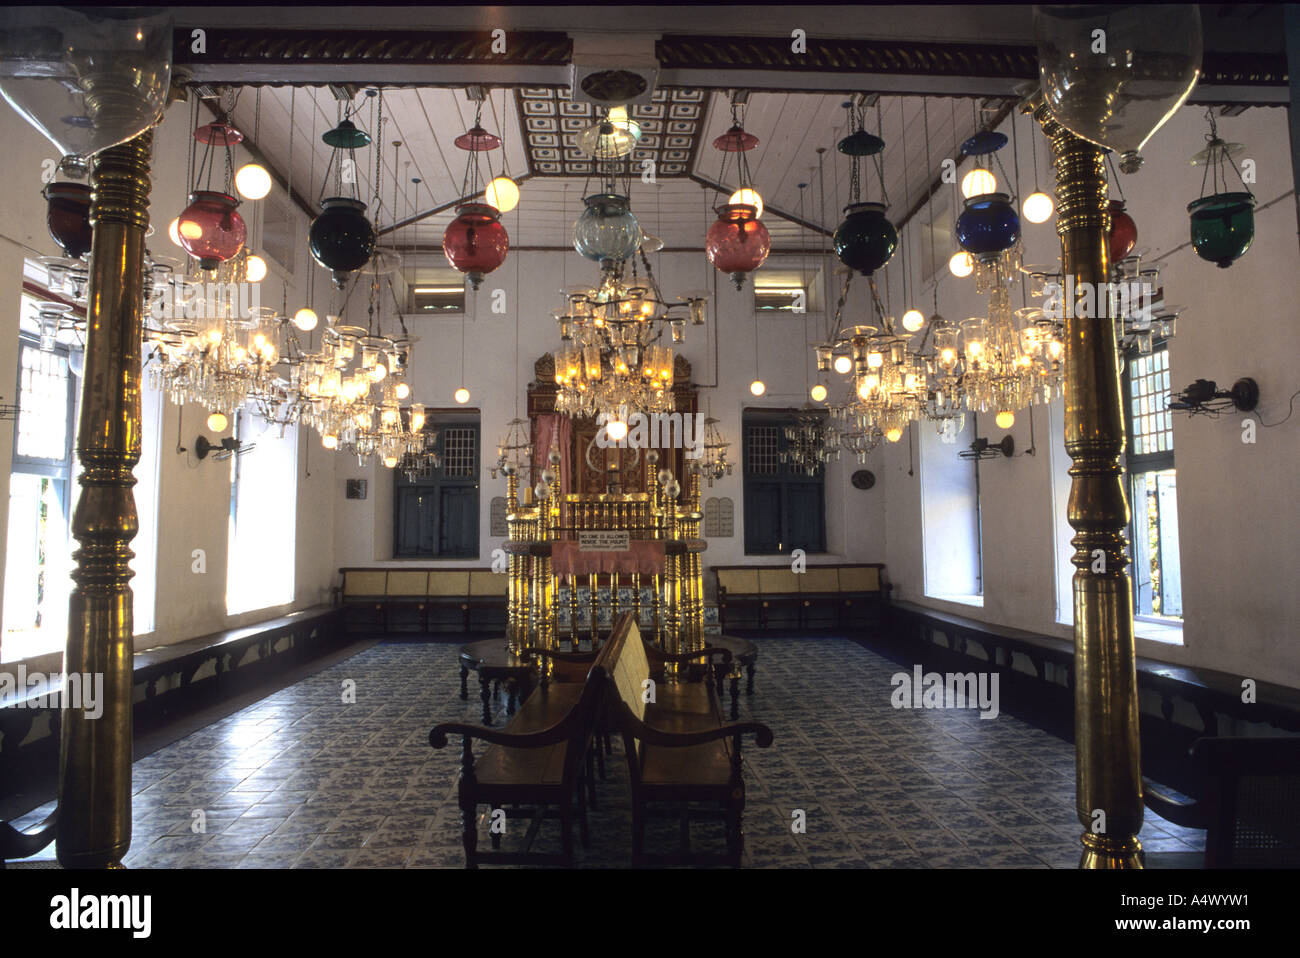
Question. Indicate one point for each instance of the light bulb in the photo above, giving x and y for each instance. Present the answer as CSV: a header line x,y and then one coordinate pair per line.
x,y
894,434
864,389
329,442
962,264
255,269
1038,207
818,392
305,319
913,320
377,372
1005,419
218,422
190,230
390,462
462,395
875,360
402,390
174,232
747,197
758,387
978,182
843,364
252,181
616,430
503,193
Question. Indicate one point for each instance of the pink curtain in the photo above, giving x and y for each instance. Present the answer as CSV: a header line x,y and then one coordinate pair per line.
x,y
553,430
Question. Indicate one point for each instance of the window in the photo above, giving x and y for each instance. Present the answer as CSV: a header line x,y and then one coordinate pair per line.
x,y
785,508
263,515
950,514
784,290
1153,486
436,516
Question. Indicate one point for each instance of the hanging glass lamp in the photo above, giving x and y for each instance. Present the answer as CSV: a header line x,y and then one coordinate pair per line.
x,y
67,215
342,238
607,231
737,243
475,241
211,229
866,240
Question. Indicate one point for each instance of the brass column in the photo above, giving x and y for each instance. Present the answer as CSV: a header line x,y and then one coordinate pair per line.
x,y
95,755
1107,745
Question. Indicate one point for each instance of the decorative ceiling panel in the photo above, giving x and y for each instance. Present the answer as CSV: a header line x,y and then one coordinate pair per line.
x,y
552,121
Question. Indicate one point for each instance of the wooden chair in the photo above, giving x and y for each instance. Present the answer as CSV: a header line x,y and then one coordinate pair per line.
x,y
1249,808
534,763
679,748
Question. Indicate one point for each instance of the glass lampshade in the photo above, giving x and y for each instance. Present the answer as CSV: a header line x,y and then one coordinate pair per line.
x,y
67,214
1123,232
988,224
86,79
866,240
211,229
1120,97
342,239
475,241
1223,226
737,243
607,230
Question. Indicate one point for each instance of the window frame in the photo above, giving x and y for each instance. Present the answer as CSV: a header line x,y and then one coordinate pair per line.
x,y
786,480
60,470
1140,464
436,483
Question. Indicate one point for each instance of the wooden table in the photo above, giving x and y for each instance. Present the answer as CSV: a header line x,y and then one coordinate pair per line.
x,y
492,660
743,653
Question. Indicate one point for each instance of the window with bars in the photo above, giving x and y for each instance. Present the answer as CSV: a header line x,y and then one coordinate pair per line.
x,y
785,508
436,515
36,582
1153,486
43,438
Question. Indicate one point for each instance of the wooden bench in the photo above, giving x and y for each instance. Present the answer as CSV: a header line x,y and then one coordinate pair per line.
x,y
535,763
844,596
423,600
1249,804
679,748
169,680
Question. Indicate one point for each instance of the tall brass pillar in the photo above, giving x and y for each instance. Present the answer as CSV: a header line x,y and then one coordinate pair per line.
x,y
1107,745
95,754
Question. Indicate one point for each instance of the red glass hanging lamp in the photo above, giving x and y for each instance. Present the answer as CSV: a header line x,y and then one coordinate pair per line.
x,y
475,242
738,243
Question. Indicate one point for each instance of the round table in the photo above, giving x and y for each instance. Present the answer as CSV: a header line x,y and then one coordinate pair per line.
x,y
492,660
744,653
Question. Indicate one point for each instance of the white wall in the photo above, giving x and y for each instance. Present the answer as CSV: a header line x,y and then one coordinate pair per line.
x,y
532,281
193,496
1237,503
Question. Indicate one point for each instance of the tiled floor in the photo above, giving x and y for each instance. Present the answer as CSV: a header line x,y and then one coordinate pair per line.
x,y
301,779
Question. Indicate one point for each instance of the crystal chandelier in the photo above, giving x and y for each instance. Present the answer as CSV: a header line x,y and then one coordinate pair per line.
x,y
713,463
515,450
615,363
808,442
213,350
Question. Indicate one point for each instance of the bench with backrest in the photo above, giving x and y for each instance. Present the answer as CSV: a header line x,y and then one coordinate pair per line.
x,y
679,748
534,764
843,596
423,600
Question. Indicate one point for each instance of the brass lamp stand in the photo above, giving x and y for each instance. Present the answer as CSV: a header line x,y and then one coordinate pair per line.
x,y
95,754
1107,744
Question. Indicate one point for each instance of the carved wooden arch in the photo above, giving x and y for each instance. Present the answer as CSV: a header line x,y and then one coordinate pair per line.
x,y
634,470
